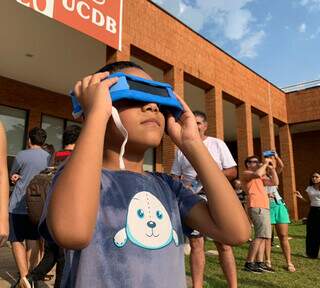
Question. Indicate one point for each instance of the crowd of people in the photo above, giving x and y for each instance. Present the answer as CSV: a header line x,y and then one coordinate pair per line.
x,y
108,223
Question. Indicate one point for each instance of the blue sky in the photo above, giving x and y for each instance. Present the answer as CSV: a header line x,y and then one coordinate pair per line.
x,y
279,39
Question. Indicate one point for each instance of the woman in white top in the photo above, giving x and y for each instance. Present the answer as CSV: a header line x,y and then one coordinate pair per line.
x,y
313,223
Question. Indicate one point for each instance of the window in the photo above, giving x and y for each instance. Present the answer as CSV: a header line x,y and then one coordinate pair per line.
x,y
54,127
14,121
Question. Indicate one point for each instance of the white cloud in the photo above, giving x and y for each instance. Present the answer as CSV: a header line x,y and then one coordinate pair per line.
x,y
230,18
269,17
302,27
249,45
237,24
315,34
311,5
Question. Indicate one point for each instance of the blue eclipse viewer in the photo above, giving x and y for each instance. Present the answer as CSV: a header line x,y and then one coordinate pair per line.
x,y
134,88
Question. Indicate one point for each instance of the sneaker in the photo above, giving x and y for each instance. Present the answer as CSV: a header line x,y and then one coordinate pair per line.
x,y
252,267
264,267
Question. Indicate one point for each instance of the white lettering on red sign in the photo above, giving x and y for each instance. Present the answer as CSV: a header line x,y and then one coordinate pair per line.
x,y
87,13
93,11
69,8
81,10
99,2
42,6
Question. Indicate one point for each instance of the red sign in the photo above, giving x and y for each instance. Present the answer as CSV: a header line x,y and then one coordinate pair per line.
x,y
100,19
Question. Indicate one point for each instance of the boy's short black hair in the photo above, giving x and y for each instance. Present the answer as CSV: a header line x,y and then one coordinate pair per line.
x,y
70,135
120,65
200,114
37,136
248,159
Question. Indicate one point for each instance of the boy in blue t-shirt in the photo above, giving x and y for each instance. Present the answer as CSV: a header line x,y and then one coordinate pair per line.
x,y
123,228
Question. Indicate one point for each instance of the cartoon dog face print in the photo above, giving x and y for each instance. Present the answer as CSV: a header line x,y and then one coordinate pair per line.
x,y
148,224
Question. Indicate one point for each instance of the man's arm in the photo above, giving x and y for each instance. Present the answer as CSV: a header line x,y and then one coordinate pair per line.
x,y
228,164
249,175
230,173
212,219
4,188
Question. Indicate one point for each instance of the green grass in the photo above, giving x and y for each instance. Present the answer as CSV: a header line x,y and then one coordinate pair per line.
x,y
307,274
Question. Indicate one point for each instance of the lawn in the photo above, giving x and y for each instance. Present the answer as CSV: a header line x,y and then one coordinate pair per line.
x,y
307,275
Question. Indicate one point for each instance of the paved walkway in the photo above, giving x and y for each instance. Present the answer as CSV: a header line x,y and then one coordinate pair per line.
x,y
8,270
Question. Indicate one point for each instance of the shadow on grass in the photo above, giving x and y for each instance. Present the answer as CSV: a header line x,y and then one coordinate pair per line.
x,y
298,236
220,282
257,283
217,282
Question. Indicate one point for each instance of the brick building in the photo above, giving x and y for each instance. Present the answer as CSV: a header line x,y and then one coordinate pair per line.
x,y
41,59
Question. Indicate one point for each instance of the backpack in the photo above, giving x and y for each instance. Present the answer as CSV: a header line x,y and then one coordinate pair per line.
x,y
37,192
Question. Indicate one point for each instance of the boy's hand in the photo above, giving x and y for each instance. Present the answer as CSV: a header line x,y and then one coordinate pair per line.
x,y
93,94
185,130
269,163
271,195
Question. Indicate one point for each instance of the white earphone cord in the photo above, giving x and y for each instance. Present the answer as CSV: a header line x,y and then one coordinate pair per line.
x,y
124,132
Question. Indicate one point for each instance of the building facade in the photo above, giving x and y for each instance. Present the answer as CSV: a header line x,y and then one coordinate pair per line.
x,y
246,110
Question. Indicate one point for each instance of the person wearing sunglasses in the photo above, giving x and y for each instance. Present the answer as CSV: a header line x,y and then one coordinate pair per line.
x,y
313,223
254,181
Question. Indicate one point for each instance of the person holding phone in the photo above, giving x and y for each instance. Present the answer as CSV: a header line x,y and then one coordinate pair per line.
x,y
254,181
279,216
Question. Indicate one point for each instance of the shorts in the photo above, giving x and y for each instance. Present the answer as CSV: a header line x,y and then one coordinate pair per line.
x,y
260,218
20,228
279,212
196,233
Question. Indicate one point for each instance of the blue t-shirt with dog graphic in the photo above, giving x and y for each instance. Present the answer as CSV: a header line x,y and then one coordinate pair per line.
x,y
138,239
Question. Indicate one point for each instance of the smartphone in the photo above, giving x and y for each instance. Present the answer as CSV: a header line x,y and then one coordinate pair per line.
x,y
268,153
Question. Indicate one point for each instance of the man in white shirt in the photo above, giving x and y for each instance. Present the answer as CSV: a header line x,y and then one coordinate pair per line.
x,y
182,168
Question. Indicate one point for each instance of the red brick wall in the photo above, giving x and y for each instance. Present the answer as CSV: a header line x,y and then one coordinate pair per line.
x,y
161,35
306,159
35,100
304,105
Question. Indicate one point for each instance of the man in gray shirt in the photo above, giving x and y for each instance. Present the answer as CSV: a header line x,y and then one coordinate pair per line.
x,y
26,165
